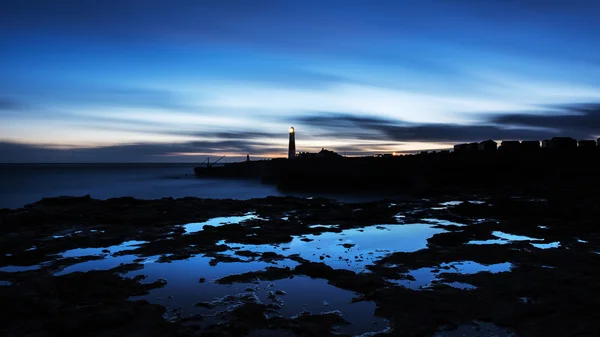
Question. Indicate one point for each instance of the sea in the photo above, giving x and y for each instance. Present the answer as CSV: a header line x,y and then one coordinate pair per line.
x,y
22,184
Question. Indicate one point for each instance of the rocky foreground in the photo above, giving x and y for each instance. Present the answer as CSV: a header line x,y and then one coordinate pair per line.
x,y
551,289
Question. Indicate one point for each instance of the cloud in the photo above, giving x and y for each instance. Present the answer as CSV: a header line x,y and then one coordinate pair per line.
x,y
241,135
343,132
12,152
579,121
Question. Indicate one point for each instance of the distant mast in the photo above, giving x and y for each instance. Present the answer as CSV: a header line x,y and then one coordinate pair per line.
x,y
292,146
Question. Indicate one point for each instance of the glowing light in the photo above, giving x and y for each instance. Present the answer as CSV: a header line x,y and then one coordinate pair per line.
x,y
292,129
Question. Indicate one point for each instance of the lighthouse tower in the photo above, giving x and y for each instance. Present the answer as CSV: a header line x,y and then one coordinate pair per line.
x,y
292,146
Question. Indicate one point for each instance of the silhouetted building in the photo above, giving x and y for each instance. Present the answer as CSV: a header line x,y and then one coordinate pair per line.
x,y
488,146
598,142
321,154
306,155
331,154
587,144
530,145
292,144
472,147
459,148
510,145
545,143
562,143
467,147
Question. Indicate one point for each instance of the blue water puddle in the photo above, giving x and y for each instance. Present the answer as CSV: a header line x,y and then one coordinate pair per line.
x,y
453,203
103,264
546,245
441,222
488,242
79,252
16,269
323,226
506,238
425,277
461,285
4,283
301,294
513,237
351,249
216,222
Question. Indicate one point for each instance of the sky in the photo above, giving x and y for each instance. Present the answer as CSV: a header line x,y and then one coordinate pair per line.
x,y
180,80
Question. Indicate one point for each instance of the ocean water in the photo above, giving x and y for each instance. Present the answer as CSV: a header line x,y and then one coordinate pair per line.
x,y
24,184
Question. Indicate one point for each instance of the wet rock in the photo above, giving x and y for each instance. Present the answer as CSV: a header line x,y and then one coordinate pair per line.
x,y
77,302
139,277
246,253
207,305
271,256
42,304
125,268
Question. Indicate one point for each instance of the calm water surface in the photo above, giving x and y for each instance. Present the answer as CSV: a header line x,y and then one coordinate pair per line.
x,y
27,183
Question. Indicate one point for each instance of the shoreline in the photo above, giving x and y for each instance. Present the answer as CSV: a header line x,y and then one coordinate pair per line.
x,y
561,247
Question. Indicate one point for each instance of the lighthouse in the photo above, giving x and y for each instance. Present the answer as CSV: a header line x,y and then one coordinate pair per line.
x,y
292,145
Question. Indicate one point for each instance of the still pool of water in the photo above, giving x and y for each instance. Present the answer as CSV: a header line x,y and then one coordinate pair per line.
x,y
16,269
294,295
506,238
351,249
79,252
190,281
216,222
424,277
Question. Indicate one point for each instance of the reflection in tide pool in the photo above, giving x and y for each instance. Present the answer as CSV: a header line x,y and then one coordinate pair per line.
x,y
294,295
513,237
103,264
216,222
546,245
16,269
442,222
79,252
351,249
504,238
425,277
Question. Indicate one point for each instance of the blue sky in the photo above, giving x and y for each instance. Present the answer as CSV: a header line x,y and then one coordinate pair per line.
x,y
135,80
